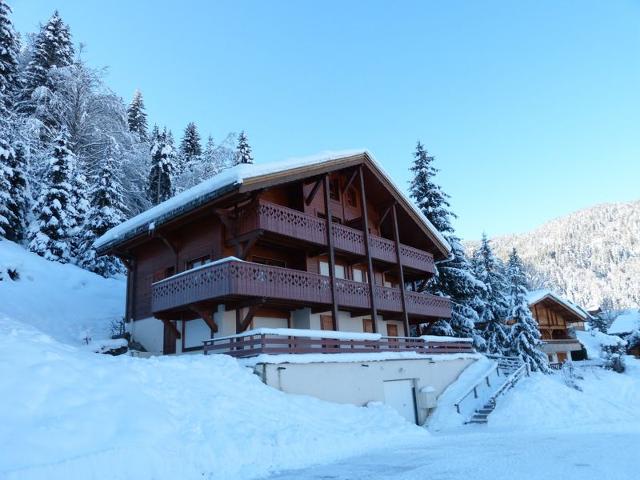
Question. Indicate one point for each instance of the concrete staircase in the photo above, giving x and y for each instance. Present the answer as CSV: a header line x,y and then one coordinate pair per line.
x,y
510,369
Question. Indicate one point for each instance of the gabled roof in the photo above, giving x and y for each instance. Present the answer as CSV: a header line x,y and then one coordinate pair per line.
x,y
626,322
536,296
246,178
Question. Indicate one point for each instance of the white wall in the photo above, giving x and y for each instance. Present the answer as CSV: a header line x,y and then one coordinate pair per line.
x,y
149,332
359,383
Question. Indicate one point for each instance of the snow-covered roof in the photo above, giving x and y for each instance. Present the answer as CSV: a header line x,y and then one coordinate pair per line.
x,y
536,296
626,322
234,177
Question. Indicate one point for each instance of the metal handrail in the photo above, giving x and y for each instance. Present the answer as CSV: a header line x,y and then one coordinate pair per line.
x,y
474,389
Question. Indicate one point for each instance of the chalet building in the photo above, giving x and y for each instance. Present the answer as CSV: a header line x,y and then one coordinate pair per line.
x,y
557,319
310,256
626,325
325,244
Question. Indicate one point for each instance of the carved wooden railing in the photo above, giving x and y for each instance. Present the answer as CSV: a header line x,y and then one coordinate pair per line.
x,y
292,223
238,278
254,343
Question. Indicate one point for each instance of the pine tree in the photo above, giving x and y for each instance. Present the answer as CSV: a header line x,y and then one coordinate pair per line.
x,y
454,278
80,204
162,168
524,337
457,280
137,117
190,148
52,49
243,152
9,49
107,211
429,197
54,208
18,202
7,157
494,302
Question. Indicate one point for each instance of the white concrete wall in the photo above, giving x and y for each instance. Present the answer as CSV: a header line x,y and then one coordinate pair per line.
x,y
347,323
359,383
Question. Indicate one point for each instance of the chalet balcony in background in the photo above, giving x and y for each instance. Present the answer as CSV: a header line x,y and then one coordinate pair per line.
x,y
235,280
291,223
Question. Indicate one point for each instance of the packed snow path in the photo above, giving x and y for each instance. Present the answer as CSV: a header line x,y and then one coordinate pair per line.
x,y
492,456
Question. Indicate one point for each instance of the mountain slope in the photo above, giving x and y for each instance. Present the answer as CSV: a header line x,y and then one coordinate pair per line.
x,y
587,256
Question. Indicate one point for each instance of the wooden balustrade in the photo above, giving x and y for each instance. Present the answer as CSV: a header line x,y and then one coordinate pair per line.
x,y
296,224
235,278
252,344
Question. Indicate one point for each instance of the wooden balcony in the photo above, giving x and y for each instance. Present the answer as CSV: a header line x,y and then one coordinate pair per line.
x,y
264,341
235,280
298,225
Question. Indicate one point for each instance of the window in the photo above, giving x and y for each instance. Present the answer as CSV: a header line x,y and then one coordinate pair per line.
x,y
326,322
359,275
352,197
197,262
269,261
367,325
392,330
334,190
324,269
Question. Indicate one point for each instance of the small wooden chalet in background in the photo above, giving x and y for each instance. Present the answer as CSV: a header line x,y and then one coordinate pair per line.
x,y
556,318
327,243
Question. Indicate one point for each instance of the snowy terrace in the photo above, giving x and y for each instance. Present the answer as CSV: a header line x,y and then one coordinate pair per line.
x,y
286,341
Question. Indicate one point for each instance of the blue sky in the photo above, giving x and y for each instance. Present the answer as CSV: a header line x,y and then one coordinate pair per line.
x,y
531,108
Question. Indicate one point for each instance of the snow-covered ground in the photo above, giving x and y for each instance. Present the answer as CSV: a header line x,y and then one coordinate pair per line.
x,y
541,429
68,413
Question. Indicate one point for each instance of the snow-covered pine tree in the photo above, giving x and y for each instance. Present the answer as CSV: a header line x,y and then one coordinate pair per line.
x,y
243,152
9,49
212,159
106,211
18,194
454,278
6,158
493,300
137,117
190,147
80,203
429,197
54,209
162,168
524,335
52,49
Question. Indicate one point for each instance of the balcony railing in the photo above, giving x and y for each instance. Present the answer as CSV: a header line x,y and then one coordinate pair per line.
x,y
296,224
280,342
235,278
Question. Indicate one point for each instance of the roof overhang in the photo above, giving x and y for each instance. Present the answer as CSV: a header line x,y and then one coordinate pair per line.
x,y
577,314
256,177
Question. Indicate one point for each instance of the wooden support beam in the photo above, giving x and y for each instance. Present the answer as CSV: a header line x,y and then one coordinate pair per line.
x,y
248,317
313,192
396,238
365,229
169,324
170,246
207,316
384,215
332,254
242,250
353,176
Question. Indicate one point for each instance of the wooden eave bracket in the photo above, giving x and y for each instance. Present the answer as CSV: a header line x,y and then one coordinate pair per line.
x,y
313,192
207,316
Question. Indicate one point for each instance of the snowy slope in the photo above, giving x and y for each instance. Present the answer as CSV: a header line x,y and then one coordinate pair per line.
x,y
586,256
69,413
63,300
608,401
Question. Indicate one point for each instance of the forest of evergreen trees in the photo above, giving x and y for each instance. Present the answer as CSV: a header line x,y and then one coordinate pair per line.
x,y
75,160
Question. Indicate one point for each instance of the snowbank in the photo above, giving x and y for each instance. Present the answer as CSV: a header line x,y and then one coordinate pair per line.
x,y
68,303
609,400
626,322
593,341
68,413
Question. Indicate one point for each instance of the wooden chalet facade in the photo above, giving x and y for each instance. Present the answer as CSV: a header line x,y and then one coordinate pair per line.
x,y
322,244
557,318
